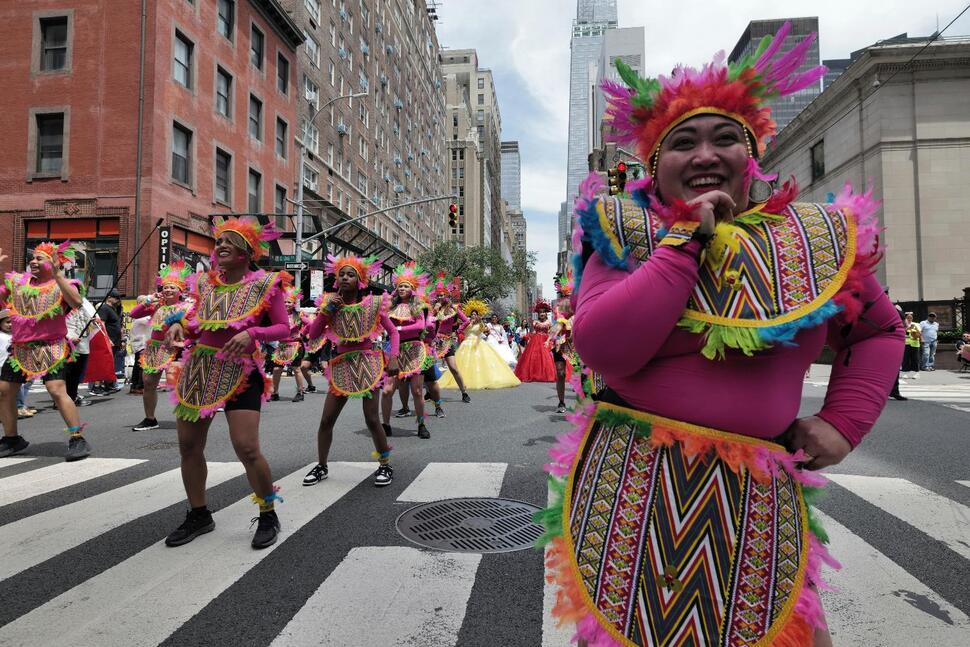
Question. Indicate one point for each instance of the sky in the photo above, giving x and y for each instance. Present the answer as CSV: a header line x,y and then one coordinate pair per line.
x,y
526,45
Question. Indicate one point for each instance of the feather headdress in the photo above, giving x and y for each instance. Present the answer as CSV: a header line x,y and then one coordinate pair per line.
x,y
412,274
292,293
541,305
366,268
475,306
256,234
445,288
176,274
565,284
63,252
644,111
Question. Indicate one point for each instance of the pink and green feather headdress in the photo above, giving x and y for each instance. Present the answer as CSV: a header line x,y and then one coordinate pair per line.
x,y
63,252
565,284
176,274
366,268
256,234
644,110
412,274
445,288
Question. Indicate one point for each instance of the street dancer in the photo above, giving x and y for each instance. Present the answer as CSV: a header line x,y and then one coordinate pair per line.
x,y
449,322
164,307
353,322
289,352
701,302
236,307
561,339
408,315
39,302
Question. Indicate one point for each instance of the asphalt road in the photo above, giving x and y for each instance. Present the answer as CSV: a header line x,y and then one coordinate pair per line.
x,y
84,564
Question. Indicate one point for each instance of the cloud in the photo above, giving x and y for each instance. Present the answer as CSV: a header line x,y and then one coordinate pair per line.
x,y
543,187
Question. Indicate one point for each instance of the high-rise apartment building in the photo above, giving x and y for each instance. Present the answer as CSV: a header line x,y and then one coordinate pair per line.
x,y
593,19
512,175
214,131
473,133
783,109
624,44
369,153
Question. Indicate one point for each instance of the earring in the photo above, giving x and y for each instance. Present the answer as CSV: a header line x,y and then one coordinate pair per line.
x,y
759,191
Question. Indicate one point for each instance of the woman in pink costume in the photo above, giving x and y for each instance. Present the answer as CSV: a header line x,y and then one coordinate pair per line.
x,y
164,307
353,323
701,302
449,322
39,302
407,313
561,339
290,350
236,307
535,363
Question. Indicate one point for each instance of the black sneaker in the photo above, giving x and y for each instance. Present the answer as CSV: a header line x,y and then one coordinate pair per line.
x,y
298,397
10,445
267,530
197,522
77,448
439,412
898,396
311,389
403,412
384,475
316,474
423,432
561,408
465,398
146,425
275,397
427,396
387,430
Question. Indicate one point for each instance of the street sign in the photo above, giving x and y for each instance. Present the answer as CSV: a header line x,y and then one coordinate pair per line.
x,y
297,266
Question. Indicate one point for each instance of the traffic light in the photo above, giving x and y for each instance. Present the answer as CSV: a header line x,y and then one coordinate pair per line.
x,y
453,215
617,178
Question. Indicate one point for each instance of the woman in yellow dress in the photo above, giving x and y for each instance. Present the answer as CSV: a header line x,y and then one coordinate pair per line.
x,y
480,365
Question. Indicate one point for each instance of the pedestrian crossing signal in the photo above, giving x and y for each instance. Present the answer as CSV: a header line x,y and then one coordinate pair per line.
x,y
617,178
453,215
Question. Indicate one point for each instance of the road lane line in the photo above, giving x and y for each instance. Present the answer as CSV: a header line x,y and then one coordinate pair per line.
x,y
142,600
58,476
32,540
454,480
877,602
408,595
13,460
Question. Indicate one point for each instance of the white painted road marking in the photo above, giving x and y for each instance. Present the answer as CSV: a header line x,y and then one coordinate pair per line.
x,y
455,480
59,476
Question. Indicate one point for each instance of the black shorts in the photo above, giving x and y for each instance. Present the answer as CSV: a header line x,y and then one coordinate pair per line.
x,y
252,398
451,351
557,357
429,374
314,357
10,374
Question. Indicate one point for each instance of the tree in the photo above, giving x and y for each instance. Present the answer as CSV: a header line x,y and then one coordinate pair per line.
x,y
485,274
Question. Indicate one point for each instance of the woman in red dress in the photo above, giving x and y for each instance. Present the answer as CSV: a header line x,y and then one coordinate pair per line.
x,y
536,363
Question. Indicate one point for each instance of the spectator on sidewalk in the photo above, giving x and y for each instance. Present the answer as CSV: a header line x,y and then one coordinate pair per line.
x,y
911,353
110,313
141,330
929,329
79,329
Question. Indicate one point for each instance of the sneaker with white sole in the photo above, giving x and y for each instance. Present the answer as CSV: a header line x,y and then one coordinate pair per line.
x,y
316,474
439,412
384,475
146,425
403,412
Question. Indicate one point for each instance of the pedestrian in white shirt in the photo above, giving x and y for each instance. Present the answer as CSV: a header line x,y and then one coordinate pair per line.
x,y
930,329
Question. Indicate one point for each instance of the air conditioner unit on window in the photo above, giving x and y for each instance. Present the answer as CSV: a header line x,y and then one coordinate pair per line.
x,y
342,129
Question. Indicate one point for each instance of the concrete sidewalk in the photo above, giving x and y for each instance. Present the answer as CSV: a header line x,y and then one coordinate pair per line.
x,y
939,377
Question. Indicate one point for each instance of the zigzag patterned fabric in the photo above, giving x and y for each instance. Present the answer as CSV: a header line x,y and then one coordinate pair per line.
x,y
219,305
356,374
413,358
356,322
286,353
206,382
442,344
156,357
37,359
33,301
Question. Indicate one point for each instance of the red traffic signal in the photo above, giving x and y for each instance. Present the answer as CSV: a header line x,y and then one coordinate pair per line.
x,y
453,215
453,208
621,167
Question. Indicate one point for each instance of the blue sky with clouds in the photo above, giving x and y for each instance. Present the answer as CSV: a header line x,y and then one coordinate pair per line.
x,y
526,45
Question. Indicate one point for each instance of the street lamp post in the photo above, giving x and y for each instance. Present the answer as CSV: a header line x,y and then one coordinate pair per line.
x,y
299,187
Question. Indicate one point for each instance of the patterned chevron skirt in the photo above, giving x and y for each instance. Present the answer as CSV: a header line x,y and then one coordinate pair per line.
x,y
286,353
38,358
413,358
667,533
206,382
156,357
443,344
356,373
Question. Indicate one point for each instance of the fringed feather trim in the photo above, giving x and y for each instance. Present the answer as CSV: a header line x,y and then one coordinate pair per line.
x,y
70,355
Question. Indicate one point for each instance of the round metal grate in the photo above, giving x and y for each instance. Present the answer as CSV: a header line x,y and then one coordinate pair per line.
x,y
474,525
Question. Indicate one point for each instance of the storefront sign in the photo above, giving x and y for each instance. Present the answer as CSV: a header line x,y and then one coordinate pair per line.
x,y
164,247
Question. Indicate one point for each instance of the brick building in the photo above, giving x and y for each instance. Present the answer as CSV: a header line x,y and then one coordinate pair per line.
x,y
218,112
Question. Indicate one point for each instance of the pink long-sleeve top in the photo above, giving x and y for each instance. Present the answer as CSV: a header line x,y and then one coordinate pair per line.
x,y
148,310
625,328
447,326
274,325
28,329
413,328
317,328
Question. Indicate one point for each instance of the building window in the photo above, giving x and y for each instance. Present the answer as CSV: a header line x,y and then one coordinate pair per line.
x,y
223,93
311,179
257,44
282,73
226,19
50,142
311,137
279,200
818,160
330,154
255,118
254,191
480,115
313,9
481,99
183,59
53,43
313,50
333,34
281,138
223,185
311,91
333,74
481,83
181,154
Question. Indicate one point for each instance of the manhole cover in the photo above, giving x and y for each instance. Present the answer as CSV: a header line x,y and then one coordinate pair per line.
x,y
163,444
471,525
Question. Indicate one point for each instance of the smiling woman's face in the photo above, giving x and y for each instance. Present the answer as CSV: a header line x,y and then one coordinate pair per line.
x,y
705,153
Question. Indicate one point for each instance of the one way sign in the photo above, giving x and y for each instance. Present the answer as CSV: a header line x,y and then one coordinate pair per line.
x,y
297,266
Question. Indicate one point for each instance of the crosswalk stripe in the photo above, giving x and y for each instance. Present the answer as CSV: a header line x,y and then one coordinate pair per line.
x,y
13,460
877,602
965,483
935,515
58,476
455,480
412,596
35,539
145,598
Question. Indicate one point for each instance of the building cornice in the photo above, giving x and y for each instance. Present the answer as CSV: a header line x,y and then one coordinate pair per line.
x,y
281,21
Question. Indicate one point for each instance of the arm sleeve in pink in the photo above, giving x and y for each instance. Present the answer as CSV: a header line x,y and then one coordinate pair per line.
x,y
392,334
142,310
464,322
868,354
415,326
279,327
316,327
622,318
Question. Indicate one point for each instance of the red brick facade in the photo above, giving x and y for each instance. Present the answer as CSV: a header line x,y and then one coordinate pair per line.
x,y
93,196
